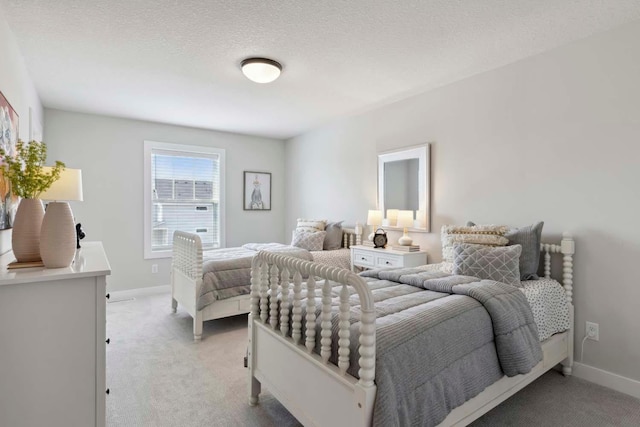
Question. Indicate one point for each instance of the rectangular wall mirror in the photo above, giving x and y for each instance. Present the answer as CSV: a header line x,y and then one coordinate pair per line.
x,y
403,185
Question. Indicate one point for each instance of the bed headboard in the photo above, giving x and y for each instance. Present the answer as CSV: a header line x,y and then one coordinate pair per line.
x,y
567,248
352,236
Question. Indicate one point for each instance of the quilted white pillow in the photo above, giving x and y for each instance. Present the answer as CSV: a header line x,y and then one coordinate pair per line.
x,y
308,241
311,225
488,263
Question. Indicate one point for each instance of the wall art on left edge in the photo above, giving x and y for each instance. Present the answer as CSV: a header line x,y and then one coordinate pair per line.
x,y
8,140
257,191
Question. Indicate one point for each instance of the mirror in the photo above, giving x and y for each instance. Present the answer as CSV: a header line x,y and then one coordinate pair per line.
x,y
403,184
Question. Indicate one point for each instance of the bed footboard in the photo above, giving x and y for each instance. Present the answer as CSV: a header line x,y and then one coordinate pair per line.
x,y
314,390
186,276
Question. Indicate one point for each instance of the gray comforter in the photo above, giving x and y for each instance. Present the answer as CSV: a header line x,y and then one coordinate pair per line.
x,y
227,272
441,340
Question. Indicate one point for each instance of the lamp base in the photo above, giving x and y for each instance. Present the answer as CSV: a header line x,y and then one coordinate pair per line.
x,y
371,236
57,236
405,240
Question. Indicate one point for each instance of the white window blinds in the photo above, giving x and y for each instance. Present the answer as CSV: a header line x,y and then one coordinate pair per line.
x,y
186,196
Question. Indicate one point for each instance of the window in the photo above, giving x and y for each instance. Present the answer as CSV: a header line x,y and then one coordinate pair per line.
x,y
183,190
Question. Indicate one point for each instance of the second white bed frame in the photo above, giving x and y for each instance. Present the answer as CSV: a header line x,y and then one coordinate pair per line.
x,y
187,278
319,393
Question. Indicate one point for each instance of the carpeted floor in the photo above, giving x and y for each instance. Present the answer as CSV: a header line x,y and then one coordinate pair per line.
x,y
159,377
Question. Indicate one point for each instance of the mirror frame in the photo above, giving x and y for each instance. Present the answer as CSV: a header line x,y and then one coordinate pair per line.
x,y
422,153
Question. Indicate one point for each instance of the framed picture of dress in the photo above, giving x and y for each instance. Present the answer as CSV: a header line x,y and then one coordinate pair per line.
x,y
257,191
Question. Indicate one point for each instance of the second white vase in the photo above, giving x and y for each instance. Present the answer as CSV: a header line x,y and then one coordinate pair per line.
x,y
57,236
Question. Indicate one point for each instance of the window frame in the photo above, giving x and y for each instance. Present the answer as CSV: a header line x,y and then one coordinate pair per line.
x,y
149,146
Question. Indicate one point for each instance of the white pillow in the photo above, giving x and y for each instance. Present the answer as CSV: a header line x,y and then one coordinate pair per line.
x,y
311,225
308,241
490,235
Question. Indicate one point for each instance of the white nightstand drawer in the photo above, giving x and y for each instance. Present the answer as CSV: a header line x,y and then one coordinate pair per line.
x,y
388,261
363,258
370,257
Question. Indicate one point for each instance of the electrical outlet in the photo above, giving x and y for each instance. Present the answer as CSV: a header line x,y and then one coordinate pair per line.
x,y
154,268
593,331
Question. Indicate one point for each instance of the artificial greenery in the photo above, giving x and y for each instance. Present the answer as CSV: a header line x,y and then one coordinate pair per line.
x,y
25,170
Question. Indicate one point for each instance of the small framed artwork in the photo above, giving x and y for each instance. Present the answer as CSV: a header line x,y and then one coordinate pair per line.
x,y
257,191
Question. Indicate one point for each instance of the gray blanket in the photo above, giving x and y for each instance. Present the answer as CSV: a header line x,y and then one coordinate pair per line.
x,y
441,340
227,272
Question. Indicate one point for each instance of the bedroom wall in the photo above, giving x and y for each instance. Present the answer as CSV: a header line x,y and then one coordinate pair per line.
x,y
555,137
110,153
17,87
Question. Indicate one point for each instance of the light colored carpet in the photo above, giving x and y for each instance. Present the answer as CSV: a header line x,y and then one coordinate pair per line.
x,y
159,377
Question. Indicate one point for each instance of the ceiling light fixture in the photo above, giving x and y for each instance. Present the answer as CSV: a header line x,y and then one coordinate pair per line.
x,y
261,70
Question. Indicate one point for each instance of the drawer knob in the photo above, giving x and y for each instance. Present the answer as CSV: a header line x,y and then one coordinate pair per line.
x,y
363,258
108,340
108,296
388,262
107,391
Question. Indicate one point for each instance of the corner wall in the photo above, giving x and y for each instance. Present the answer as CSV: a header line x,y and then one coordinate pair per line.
x,y
110,153
555,137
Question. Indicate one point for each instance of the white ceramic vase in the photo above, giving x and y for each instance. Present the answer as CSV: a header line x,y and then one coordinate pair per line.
x,y
25,238
58,236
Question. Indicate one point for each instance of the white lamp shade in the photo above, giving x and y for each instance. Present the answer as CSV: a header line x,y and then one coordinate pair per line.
x,y
392,216
67,188
374,217
405,219
261,70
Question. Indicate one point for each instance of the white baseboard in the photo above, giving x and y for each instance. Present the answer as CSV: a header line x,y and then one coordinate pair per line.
x,y
139,292
607,379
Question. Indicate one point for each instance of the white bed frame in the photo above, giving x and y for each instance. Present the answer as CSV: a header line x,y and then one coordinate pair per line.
x,y
187,278
319,393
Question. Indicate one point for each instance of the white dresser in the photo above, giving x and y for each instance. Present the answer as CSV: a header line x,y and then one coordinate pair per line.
x,y
52,342
370,257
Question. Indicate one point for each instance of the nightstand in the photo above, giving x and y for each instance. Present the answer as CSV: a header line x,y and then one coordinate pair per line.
x,y
370,257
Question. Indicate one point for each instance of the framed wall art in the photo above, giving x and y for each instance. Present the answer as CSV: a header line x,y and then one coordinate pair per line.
x,y
8,140
257,191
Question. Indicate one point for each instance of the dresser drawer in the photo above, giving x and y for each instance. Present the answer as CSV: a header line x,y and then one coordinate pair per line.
x,y
388,261
363,258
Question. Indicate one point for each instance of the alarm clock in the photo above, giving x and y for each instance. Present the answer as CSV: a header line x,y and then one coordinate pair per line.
x,y
379,238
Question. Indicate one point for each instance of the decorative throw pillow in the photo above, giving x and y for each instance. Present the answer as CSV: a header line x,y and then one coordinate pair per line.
x,y
308,241
333,239
529,238
490,263
491,235
311,225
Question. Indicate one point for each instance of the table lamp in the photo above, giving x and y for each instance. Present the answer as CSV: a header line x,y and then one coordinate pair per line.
x,y
405,220
374,219
58,232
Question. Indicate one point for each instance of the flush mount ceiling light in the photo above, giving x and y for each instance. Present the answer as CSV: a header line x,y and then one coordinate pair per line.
x,y
261,70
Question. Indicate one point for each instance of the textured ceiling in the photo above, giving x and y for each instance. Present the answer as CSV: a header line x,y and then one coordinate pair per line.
x,y
177,61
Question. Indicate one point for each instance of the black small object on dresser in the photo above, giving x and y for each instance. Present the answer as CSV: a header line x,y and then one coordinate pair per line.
x,y
380,238
79,235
